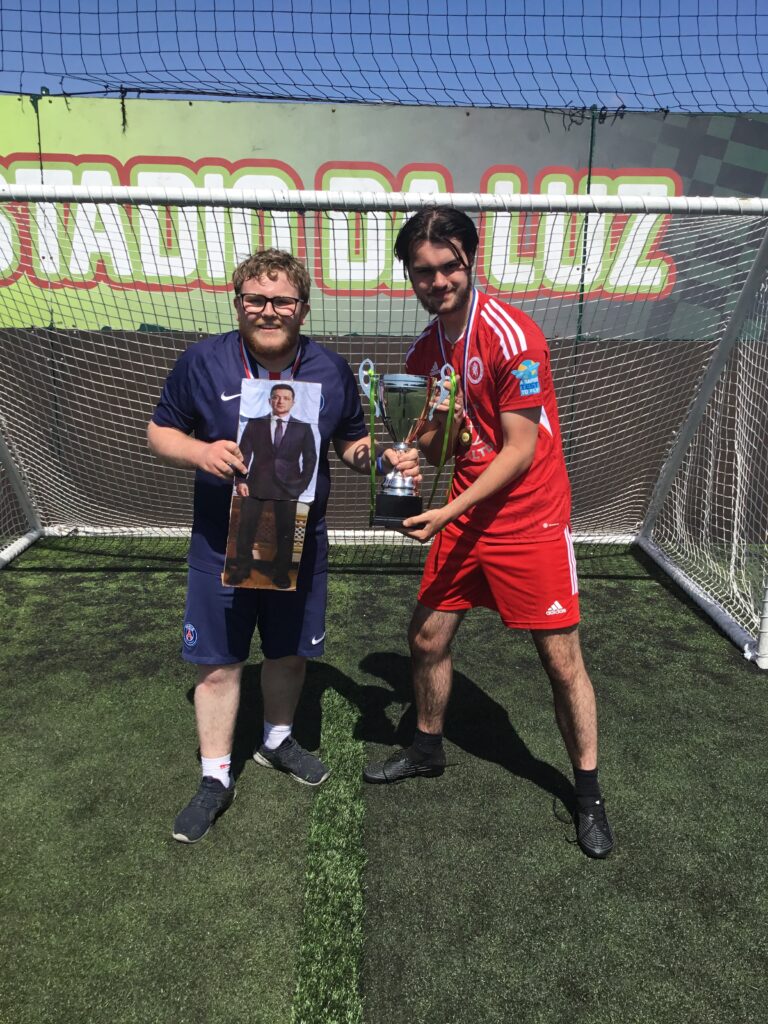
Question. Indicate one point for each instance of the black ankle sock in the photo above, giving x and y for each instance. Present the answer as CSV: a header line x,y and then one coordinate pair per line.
x,y
586,786
427,742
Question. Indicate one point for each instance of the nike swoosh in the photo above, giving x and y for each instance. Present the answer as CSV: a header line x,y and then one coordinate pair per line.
x,y
228,398
317,641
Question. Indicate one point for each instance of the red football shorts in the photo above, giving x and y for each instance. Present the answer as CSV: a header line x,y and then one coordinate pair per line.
x,y
530,585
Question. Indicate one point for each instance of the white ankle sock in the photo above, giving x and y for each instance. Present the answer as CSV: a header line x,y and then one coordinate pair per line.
x,y
217,768
275,734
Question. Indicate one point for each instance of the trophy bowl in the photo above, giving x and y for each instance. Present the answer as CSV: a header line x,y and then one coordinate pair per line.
x,y
403,402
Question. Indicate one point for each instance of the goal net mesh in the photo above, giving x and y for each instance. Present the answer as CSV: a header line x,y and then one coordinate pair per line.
x,y
100,298
714,522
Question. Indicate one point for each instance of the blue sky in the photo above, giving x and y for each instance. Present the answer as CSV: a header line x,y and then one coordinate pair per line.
x,y
642,54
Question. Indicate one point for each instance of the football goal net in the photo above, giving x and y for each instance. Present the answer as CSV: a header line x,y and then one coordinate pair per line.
x,y
655,309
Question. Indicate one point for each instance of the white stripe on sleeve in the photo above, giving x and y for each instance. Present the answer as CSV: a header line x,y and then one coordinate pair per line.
x,y
513,325
506,339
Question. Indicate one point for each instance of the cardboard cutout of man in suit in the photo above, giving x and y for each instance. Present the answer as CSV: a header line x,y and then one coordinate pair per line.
x,y
281,456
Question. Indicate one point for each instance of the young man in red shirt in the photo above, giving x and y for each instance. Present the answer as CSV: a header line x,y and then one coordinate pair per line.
x,y
503,539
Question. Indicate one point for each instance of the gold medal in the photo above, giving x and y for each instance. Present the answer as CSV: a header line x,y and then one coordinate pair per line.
x,y
465,434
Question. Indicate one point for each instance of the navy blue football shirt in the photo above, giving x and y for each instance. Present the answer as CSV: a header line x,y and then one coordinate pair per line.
x,y
202,397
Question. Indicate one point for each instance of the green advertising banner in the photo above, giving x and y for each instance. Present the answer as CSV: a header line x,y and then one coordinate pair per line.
x,y
91,266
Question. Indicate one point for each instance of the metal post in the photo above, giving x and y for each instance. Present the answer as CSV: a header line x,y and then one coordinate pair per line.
x,y
22,496
761,652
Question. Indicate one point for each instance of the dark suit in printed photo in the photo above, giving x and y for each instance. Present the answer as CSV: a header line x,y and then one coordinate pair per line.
x,y
281,456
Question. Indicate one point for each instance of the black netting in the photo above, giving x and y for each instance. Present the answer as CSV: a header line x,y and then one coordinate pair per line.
x,y
701,55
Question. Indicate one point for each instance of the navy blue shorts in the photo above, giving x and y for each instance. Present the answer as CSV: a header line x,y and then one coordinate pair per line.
x,y
219,621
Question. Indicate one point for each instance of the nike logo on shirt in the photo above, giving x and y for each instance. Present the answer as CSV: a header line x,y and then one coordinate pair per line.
x,y
317,641
228,398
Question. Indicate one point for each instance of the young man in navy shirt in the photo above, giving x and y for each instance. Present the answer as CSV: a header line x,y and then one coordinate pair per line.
x,y
195,427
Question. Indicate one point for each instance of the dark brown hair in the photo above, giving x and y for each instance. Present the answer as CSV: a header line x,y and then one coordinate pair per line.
x,y
440,225
280,386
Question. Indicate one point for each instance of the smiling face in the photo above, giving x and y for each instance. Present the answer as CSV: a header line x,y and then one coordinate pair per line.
x,y
441,276
271,336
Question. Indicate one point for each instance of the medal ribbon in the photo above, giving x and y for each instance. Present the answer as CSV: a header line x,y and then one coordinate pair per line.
x,y
247,366
469,333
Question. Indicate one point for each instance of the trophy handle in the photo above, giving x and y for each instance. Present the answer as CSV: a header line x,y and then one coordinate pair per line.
x,y
438,389
366,375
444,382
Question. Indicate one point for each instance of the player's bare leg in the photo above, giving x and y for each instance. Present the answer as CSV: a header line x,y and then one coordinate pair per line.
x,y
282,680
576,715
572,692
217,696
429,636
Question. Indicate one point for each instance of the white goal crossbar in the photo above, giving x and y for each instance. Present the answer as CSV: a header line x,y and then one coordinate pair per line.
x,y
302,200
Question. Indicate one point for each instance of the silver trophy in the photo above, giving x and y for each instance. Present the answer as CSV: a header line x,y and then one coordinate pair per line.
x,y
404,402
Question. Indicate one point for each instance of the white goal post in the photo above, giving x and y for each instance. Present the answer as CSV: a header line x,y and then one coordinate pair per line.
x,y
655,308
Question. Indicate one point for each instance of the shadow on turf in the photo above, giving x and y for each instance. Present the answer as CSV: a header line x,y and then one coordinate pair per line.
x,y
476,723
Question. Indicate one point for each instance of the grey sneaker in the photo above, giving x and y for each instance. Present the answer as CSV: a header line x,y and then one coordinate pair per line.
x,y
295,760
211,800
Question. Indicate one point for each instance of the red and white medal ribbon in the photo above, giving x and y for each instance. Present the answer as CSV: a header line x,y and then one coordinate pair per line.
x,y
261,374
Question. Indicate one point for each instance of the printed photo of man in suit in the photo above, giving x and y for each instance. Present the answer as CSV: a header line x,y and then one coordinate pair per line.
x,y
281,456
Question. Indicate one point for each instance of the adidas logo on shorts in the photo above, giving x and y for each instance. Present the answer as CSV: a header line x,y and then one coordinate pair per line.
x,y
555,609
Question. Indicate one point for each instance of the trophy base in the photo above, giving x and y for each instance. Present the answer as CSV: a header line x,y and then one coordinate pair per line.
x,y
392,509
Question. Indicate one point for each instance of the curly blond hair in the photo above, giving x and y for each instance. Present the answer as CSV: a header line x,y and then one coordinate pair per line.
x,y
269,263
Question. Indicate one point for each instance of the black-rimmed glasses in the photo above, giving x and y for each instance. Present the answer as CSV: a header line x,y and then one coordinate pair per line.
x,y
283,305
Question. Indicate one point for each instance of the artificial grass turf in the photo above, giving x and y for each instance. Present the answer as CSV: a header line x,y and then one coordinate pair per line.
x,y
328,969
262,920
478,905
105,918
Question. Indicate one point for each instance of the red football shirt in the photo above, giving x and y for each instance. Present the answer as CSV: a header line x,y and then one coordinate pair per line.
x,y
503,362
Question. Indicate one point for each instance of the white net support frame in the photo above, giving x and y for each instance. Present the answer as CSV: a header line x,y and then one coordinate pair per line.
x,y
655,308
